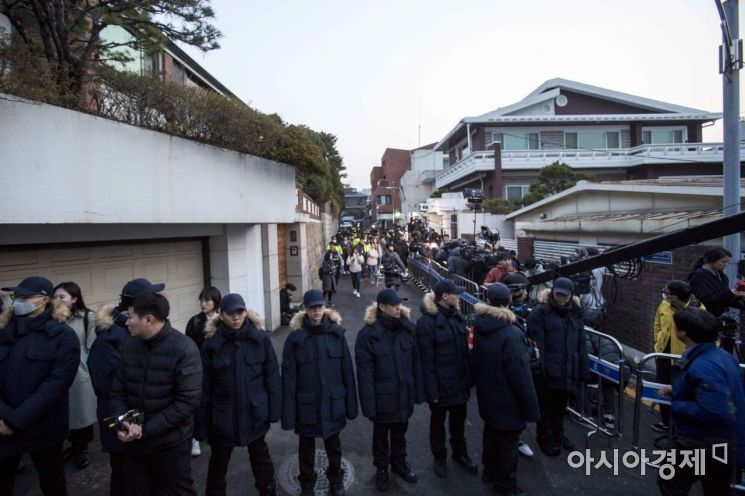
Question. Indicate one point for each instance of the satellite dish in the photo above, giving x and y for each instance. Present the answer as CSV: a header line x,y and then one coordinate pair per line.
x,y
562,100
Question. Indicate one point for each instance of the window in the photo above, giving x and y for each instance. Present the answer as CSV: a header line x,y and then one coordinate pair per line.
x,y
520,141
384,199
661,136
592,140
515,193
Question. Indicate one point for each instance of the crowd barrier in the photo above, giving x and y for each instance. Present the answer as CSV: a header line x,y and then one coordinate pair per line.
x,y
609,374
428,272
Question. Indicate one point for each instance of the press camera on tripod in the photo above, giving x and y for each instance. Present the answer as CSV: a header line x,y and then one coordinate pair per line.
x,y
729,335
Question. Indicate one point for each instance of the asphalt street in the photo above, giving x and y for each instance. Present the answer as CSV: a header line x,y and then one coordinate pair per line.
x,y
537,476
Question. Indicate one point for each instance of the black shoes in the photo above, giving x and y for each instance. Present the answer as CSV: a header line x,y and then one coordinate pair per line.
x,y
567,444
382,479
270,490
467,464
441,468
405,472
336,490
515,491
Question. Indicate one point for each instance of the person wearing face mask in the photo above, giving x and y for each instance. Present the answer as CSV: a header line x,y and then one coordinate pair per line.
x,y
442,338
557,327
103,361
240,370
209,302
676,295
389,379
39,358
319,392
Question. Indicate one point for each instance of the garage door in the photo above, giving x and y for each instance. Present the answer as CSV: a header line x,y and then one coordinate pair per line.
x,y
102,270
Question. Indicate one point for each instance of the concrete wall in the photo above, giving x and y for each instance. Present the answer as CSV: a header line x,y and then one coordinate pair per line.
x,y
465,224
84,169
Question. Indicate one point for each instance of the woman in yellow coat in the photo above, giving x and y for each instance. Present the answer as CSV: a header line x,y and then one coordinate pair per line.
x,y
675,295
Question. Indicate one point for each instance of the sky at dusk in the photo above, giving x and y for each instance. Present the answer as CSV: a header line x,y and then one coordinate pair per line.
x,y
370,72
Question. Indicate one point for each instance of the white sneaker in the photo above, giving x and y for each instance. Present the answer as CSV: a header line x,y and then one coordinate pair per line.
x,y
524,449
357,294
195,450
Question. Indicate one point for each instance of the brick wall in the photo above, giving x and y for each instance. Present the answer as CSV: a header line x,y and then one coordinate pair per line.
x,y
631,318
525,246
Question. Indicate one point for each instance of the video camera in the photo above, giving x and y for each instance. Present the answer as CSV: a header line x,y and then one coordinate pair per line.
x,y
489,234
131,417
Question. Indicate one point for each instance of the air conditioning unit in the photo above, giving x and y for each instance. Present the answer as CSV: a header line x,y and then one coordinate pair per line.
x,y
423,207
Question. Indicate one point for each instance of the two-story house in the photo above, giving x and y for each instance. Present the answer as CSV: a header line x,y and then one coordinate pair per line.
x,y
606,133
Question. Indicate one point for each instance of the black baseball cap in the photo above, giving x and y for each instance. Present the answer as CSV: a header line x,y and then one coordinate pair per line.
x,y
231,303
313,298
563,286
33,286
499,294
137,286
446,286
389,296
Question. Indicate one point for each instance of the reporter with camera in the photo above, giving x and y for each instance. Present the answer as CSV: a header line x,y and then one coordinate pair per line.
x,y
708,408
710,284
160,376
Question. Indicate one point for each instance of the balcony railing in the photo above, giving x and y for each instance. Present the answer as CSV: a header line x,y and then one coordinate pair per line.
x,y
483,161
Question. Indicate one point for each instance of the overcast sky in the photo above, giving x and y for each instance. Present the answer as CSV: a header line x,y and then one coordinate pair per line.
x,y
371,71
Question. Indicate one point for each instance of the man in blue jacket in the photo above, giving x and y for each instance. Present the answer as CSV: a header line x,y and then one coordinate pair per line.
x,y
504,387
442,338
389,377
39,357
241,394
319,392
708,407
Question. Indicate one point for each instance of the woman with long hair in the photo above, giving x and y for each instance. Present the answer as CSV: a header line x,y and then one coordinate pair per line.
x,y
710,284
82,398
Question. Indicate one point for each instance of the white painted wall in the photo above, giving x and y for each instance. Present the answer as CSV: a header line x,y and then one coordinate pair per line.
x,y
60,166
465,223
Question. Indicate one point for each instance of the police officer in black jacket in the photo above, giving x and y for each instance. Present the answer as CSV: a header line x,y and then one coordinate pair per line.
x,y
504,387
319,393
557,327
241,394
389,378
39,357
161,376
443,346
104,358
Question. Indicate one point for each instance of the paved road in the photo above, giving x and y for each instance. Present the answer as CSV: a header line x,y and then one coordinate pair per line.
x,y
538,476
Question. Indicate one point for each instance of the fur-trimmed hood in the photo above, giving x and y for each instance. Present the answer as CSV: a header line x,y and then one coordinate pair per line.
x,y
429,305
60,313
371,313
105,317
500,313
297,321
210,327
543,297
7,312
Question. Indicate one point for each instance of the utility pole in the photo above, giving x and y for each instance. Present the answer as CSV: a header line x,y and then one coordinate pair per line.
x,y
730,63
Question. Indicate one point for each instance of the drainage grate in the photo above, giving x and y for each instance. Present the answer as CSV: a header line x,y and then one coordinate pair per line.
x,y
289,471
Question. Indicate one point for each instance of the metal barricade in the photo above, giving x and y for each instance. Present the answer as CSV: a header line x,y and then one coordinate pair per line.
x,y
648,391
470,296
606,371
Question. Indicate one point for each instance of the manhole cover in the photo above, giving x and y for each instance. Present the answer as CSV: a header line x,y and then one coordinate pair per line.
x,y
290,469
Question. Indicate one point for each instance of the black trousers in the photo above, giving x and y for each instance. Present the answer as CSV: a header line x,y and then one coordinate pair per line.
x,y
384,453
307,459
550,427
500,457
715,482
81,438
116,485
166,472
49,463
261,465
666,374
457,425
